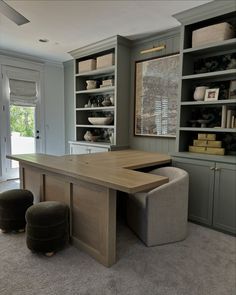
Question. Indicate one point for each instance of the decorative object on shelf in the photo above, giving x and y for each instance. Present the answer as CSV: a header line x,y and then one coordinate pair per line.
x,y
199,92
207,144
91,84
211,94
156,88
88,136
87,65
100,120
112,100
88,105
107,101
215,63
206,119
209,117
232,89
106,60
213,33
111,136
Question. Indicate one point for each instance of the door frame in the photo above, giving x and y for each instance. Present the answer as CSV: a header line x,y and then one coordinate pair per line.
x,y
25,65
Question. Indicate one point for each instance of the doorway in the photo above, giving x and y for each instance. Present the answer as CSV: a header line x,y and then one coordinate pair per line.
x,y
23,134
21,122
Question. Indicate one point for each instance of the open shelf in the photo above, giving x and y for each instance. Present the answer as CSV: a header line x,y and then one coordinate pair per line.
x,y
204,103
96,126
102,71
207,129
216,74
212,47
96,90
111,108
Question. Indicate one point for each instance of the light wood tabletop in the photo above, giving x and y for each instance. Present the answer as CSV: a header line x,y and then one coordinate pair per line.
x,y
111,169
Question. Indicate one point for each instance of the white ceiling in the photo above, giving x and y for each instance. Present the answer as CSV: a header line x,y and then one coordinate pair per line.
x,y
73,24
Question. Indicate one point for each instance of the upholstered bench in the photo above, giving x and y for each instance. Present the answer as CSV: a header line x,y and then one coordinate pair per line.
x,y
13,205
47,227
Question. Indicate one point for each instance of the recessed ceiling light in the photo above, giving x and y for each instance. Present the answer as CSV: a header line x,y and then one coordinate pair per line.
x,y
43,40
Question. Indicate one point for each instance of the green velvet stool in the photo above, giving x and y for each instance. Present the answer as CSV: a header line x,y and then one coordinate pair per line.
x,y
47,227
13,205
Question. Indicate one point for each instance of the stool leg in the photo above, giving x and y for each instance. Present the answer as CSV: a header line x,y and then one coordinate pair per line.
x,y
22,230
49,254
3,231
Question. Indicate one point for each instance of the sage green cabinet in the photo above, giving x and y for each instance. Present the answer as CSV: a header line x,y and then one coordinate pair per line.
x,y
201,188
212,192
224,213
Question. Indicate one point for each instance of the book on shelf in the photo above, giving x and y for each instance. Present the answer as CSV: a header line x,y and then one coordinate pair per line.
x,y
227,118
233,121
223,116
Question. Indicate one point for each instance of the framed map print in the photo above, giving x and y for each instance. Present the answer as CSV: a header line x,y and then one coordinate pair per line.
x,y
156,92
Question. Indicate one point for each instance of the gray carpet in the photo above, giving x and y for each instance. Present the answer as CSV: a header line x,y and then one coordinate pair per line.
x,y
203,264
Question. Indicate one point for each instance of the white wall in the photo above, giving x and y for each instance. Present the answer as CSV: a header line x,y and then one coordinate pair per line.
x,y
69,102
54,109
52,99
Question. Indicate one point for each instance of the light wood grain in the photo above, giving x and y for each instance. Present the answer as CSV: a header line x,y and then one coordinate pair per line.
x,y
110,169
32,180
88,184
94,221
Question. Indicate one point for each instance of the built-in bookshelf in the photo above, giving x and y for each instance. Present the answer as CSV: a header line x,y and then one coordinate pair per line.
x,y
212,65
102,100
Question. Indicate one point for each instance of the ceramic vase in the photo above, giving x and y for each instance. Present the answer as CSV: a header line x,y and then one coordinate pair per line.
x,y
199,92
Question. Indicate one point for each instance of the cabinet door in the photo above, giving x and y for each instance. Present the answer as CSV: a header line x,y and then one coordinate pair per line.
x,y
201,188
224,216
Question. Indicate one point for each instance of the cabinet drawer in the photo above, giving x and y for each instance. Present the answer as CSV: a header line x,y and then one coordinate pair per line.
x,y
98,149
79,149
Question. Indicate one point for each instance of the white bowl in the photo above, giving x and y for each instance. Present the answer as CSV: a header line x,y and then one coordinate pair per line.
x,y
100,120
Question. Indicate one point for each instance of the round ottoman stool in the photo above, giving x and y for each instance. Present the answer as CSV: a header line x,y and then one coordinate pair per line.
x,y
47,227
13,205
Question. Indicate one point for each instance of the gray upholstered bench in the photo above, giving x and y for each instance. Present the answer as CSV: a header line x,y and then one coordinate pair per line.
x,y
47,227
13,205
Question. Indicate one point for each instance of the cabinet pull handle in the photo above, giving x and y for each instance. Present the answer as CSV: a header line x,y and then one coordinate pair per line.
x,y
212,168
217,169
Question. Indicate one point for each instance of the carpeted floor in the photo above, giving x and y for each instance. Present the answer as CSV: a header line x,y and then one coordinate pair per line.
x,y
203,264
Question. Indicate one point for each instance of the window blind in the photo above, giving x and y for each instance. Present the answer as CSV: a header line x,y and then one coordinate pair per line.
x,y
23,92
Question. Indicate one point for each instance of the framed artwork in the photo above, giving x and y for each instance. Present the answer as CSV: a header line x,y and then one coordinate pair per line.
x,y
156,92
232,89
211,94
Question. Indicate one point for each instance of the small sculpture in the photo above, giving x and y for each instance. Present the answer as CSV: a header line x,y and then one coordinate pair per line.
x,y
88,136
107,101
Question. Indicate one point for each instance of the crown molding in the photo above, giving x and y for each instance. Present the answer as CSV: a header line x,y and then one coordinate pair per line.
x,y
29,58
100,46
158,36
206,11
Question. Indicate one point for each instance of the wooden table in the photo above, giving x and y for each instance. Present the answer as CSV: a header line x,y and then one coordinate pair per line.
x,y
88,184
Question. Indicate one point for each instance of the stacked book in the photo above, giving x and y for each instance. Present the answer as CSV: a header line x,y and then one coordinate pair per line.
x,y
228,118
207,144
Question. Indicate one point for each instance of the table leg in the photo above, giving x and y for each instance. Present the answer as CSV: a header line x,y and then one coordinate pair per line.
x,y
94,221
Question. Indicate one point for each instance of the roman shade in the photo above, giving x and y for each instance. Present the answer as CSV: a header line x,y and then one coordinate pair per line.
x,y
23,92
